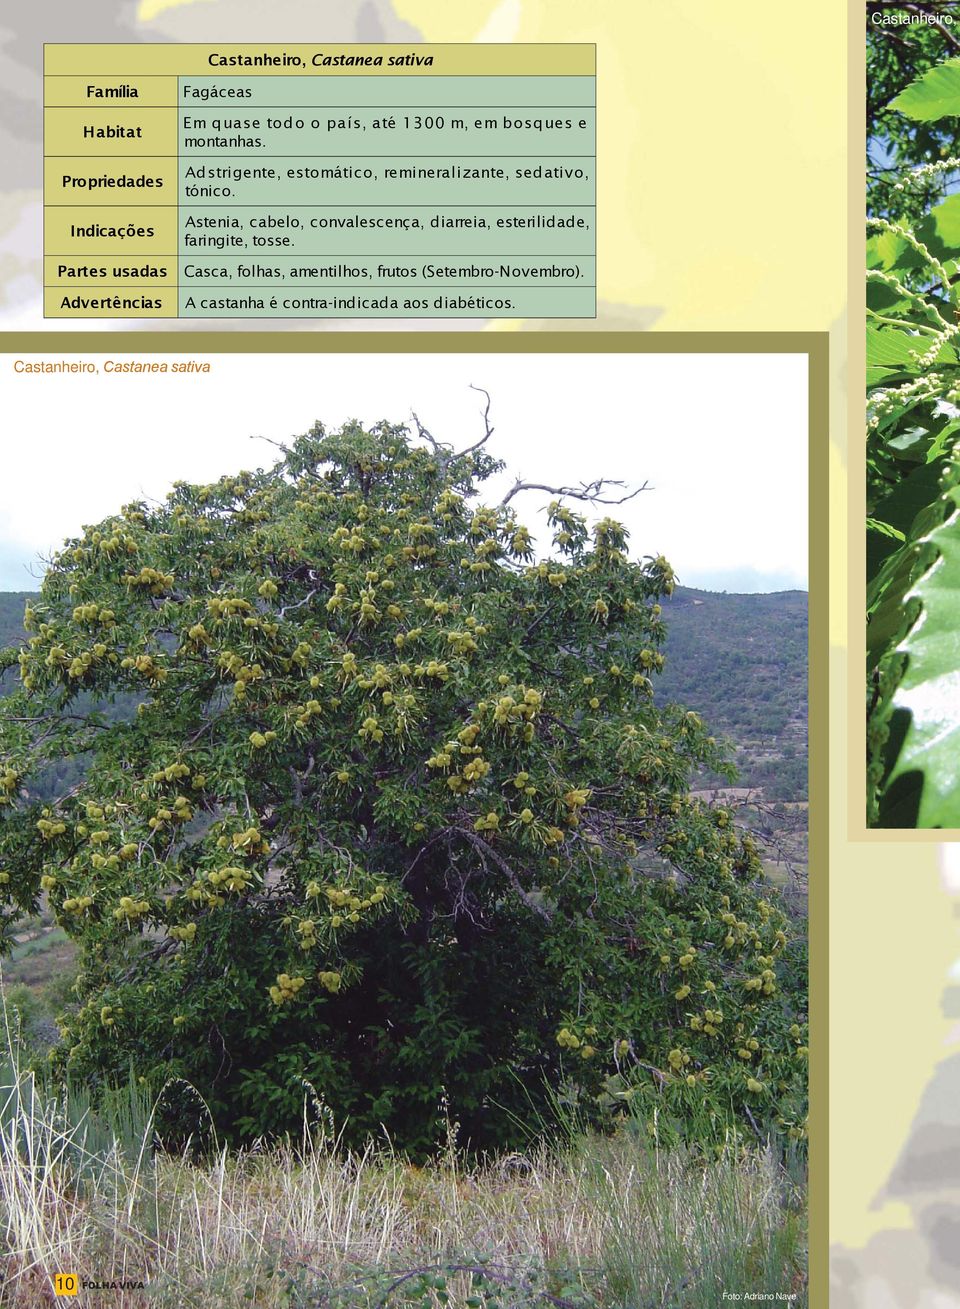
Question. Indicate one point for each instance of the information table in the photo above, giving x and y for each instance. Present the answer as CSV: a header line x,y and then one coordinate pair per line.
x,y
349,181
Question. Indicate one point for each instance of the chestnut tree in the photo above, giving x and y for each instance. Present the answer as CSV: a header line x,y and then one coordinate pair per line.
x,y
377,800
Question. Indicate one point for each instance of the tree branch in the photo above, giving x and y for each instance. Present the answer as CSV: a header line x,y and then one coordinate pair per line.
x,y
590,491
279,445
487,851
487,429
288,609
443,453
932,16
658,1073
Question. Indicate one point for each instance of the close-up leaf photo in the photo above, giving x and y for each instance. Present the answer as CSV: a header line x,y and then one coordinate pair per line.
x,y
913,428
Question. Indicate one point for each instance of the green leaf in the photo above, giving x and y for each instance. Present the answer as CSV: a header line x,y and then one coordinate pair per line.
x,y
897,512
922,787
884,377
908,443
888,347
946,222
944,441
873,525
890,350
935,95
889,614
887,251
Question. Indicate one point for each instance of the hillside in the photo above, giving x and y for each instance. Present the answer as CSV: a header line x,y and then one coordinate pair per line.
x,y
12,604
741,662
11,616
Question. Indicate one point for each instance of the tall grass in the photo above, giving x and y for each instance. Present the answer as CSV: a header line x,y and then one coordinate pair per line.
x,y
595,1222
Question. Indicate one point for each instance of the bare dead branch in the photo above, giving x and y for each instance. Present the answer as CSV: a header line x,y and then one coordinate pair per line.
x,y
589,491
442,452
270,441
487,429
288,609
445,453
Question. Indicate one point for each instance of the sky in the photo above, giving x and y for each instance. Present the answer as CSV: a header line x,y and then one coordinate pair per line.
x,y
721,441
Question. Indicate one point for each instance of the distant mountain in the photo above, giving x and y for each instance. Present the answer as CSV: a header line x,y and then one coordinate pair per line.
x,y
741,662
12,604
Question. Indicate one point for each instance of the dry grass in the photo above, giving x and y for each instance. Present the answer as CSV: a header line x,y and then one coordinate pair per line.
x,y
601,1222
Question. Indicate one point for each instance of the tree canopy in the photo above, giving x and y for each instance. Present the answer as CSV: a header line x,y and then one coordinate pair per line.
x,y
391,812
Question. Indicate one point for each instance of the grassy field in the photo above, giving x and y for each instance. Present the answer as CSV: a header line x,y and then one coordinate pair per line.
x,y
34,962
589,1222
